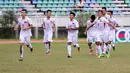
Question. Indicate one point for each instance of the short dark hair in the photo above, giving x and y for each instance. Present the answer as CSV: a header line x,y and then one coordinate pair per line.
x,y
25,10
72,13
104,8
100,11
93,17
111,12
48,11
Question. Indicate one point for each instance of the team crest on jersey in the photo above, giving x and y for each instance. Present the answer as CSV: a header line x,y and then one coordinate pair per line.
x,y
25,21
73,23
51,21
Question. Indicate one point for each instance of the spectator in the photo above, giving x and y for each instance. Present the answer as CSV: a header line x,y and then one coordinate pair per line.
x,y
81,5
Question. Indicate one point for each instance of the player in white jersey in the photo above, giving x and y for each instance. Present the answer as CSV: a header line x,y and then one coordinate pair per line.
x,y
48,25
112,31
102,36
25,24
72,27
106,16
91,32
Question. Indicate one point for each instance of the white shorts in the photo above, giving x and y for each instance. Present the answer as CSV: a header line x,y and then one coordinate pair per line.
x,y
112,35
73,38
98,37
105,38
102,37
24,39
48,37
91,37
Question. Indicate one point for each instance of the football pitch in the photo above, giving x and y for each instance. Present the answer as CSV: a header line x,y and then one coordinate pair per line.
x,y
81,62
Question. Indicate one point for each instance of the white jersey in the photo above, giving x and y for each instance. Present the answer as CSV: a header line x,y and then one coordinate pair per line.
x,y
102,24
114,22
93,29
25,23
108,18
49,24
72,24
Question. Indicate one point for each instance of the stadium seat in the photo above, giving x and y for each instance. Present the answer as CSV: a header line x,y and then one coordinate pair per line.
x,y
1,5
39,1
99,1
93,1
108,5
112,5
11,5
1,2
39,5
104,1
109,1
65,5
44,5
129,4
127,1
102,5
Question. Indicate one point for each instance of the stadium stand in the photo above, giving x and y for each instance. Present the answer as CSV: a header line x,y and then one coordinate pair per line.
x,y
62,7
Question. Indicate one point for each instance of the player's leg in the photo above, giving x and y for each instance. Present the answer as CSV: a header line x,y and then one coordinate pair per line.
x,y
49,42
75,44
90,40
97,50
99,44
104,48
69,46
113,40
46,43
28,43
108,44
22,40
105,38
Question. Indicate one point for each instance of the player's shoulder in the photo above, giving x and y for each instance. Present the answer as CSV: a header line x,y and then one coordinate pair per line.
x,y
107,15
45,19
28,18
113,19
75,20
19,18
102,18
52,18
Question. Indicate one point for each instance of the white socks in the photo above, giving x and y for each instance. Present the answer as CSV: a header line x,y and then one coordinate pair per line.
x,y
99,49
108,47
69,50
47,47
104,47
21,51
30,46
77,45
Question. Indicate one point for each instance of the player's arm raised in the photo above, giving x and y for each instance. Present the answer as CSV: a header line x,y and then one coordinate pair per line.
x,y
87,28
110,24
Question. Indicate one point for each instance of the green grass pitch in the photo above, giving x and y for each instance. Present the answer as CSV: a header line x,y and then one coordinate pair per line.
x,y
81,62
